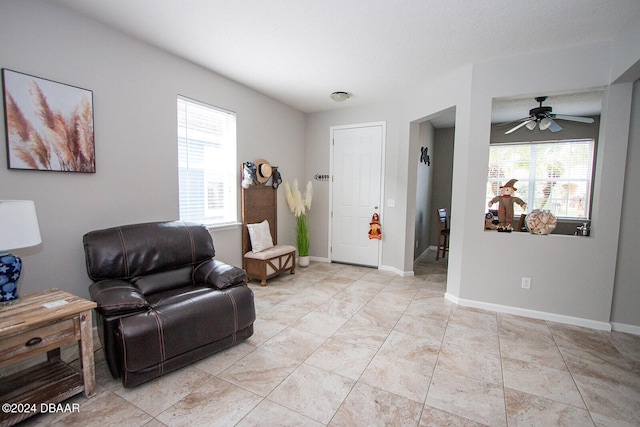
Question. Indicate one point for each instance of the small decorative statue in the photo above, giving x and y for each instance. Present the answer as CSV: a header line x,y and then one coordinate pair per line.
x,y
505,201
248,174
375,229
490,221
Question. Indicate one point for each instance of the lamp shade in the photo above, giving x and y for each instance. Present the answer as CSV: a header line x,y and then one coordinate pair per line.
x,y
545,123
18,225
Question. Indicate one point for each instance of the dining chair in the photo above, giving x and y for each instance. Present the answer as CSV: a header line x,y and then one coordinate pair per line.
x,y
443,235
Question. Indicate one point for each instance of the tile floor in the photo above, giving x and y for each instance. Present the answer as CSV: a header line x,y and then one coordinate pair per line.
x,y
341,345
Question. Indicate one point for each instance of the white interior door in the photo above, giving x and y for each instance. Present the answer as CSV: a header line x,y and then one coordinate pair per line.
x,y
356,195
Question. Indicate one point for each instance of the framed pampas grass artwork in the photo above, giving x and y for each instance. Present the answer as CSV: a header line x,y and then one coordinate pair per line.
x,y
49,125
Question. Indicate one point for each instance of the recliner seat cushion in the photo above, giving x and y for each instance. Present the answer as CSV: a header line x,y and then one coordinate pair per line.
x,y
182,322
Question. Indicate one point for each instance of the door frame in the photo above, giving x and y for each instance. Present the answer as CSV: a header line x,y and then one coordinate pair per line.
x,y
332,129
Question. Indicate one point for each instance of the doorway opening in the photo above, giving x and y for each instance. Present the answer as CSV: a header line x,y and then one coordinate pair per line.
x,y
434,135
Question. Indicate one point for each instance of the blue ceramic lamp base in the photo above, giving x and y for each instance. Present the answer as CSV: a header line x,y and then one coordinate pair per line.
x,y
10,267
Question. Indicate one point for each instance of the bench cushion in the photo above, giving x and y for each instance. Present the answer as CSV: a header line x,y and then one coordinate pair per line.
x,y
276,251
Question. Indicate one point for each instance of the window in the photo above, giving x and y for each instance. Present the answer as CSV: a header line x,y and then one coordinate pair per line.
x,y
206,163
552,175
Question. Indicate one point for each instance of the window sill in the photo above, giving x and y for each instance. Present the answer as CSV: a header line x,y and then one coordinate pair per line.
x,y
565,226
223,227
523,233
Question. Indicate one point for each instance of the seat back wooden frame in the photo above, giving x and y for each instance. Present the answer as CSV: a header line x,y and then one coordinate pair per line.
x,y
259,203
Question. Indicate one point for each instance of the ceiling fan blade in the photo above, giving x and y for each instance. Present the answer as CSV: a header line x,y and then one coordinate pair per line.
x,y
518,126
554,127
573,118
514,121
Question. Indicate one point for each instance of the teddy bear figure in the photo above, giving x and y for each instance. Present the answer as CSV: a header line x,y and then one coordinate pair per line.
x,y
505,201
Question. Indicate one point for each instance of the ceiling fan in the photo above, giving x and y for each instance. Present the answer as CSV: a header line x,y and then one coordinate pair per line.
x,y
544,117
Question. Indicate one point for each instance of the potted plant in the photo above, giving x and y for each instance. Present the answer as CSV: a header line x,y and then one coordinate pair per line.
x,y
299,204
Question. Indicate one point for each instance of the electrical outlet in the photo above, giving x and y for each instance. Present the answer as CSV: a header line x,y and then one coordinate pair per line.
x,y
526,283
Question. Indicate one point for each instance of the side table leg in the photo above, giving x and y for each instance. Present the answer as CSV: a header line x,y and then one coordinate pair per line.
x,y
85,347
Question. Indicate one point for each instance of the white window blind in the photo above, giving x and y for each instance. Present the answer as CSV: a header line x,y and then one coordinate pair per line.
x,y
206,163
552,175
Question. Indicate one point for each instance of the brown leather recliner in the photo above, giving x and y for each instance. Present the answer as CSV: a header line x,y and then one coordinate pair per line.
x,y
163,301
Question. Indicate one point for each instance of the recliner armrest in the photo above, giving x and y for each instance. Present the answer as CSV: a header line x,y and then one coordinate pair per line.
x,y
117,297
219,275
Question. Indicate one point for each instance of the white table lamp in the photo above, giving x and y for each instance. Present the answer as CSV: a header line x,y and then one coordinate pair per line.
x,y
18,229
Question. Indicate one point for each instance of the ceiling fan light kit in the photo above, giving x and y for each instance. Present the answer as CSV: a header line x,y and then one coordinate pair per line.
x,y
545,123
544,117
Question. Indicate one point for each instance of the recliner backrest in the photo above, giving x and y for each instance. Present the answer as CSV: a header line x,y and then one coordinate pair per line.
x,y
131,251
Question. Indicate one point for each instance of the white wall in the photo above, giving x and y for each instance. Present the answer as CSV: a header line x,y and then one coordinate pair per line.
x,y
450,91
625,311
425,212
442,176
625,58
433,184
398,222
571,279
134,92
318,162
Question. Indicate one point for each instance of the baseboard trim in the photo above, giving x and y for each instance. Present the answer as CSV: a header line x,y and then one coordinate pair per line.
x,y
627,329
382,267
535,314
396,270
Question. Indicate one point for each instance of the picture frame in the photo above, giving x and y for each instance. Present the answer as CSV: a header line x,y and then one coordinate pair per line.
x,y
48,125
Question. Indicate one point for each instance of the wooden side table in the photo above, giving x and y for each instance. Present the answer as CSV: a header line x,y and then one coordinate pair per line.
x,y
42,323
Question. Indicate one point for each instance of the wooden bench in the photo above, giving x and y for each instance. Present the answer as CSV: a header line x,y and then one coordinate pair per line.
x,y
259,203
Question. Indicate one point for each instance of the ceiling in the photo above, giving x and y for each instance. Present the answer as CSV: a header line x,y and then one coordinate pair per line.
x,y
299,51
